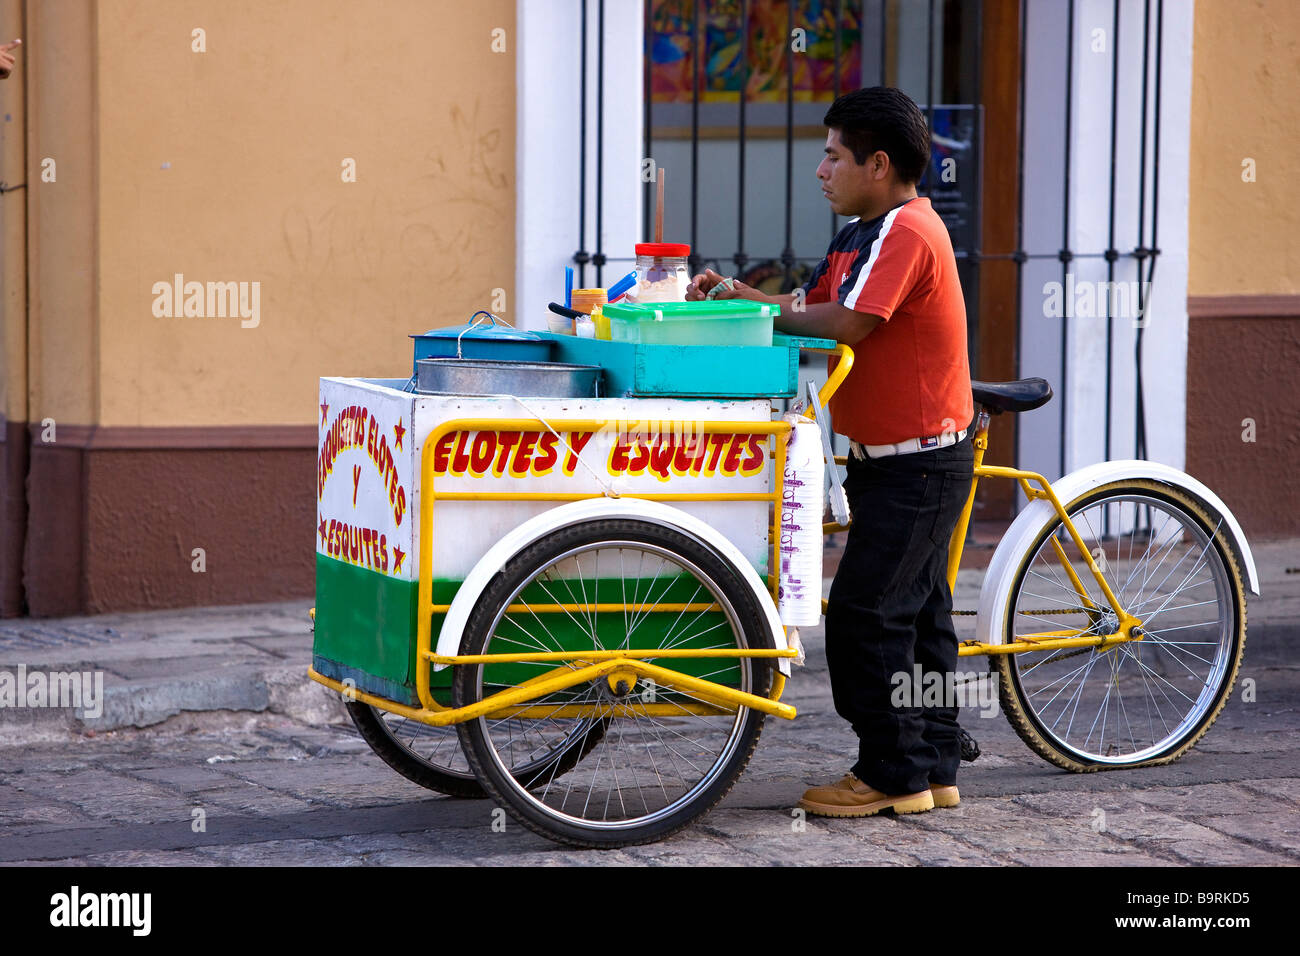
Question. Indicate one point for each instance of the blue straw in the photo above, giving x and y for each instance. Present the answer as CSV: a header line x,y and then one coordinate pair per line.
x,y
568,287
621,286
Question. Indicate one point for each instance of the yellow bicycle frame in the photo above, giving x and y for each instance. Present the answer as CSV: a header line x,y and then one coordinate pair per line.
x,y
1034,486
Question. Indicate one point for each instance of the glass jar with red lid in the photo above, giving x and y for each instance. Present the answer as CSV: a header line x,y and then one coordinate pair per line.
x,y
662,272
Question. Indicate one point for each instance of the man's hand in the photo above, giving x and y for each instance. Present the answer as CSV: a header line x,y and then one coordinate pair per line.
x,y
741,291
7,58
701,284
706,287
826,320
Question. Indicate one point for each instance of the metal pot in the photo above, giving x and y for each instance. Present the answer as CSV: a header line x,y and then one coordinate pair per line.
x,y
482,340
451,376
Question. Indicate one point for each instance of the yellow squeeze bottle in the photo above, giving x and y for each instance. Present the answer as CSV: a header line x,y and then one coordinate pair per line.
x,y
601,320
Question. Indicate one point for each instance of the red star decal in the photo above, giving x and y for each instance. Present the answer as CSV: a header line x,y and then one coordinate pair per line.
x,y
321,529
356,480
324,411
398,432
398,555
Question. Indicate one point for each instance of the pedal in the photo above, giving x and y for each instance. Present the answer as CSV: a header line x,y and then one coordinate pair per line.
x,y
969,748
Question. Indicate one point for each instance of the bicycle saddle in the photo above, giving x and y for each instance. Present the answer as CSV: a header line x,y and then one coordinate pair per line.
x,y
1019,396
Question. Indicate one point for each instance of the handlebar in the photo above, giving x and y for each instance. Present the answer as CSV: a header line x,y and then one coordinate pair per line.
x,y
837,377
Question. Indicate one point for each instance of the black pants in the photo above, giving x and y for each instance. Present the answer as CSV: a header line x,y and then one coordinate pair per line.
x,y
889,609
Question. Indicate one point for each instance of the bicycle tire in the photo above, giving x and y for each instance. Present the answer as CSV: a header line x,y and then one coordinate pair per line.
x,y
1031,719
553,817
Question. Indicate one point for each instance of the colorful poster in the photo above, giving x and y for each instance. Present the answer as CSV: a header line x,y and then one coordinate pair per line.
x,y
676,63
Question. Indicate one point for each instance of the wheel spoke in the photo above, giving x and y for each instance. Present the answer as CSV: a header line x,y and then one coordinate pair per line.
x,y
1128,710
644,754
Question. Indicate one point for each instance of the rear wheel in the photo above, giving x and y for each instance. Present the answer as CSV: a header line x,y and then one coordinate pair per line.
x,y
422,753
667,756
1144,702
432,757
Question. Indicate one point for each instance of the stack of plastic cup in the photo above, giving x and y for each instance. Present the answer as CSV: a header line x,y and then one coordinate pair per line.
x,y
799,600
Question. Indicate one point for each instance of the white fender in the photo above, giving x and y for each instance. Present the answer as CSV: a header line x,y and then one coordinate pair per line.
x,y
998,581
586,510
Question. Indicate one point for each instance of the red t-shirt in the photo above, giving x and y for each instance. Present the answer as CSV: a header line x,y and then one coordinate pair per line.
x,y
911,376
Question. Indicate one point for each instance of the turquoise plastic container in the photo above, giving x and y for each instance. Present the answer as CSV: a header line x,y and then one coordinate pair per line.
x,y
692,371
730,322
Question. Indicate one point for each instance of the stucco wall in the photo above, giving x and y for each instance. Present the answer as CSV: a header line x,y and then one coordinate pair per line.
x,y
1245,441
1243,340
210,140
226,166
1245,236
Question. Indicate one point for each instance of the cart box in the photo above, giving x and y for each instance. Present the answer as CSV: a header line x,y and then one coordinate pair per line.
x,y
372,437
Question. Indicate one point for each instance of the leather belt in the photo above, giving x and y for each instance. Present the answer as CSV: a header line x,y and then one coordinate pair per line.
x,y
906,447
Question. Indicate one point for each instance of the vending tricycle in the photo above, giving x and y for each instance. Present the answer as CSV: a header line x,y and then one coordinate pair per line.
x,y
581,600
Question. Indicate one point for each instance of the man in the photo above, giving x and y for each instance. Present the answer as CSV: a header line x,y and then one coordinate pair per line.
x,y
888,288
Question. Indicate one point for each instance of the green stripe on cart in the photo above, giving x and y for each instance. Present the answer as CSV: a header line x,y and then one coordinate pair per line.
x,y
366,627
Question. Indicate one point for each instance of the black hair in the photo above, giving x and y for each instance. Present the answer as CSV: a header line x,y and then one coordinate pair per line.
x,y
886,119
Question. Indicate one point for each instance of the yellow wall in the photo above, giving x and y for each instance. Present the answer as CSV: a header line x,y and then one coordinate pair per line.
x,y
226,166
56,73
13,223
1244,238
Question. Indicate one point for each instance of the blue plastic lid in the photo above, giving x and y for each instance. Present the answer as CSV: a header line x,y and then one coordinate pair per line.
x,y
480,330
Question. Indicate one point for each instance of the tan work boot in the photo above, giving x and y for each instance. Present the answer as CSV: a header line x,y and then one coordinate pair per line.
x,y
945,796
850,797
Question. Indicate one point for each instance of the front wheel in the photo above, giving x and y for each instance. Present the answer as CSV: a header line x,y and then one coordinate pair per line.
x,y
667,756
1141,703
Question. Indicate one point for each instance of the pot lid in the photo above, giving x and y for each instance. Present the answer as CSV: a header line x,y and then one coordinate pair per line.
x,y
480,328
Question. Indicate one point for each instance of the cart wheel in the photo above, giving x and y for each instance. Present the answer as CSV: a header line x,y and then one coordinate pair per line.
x,y
422,753
1144,702
666,756
431,756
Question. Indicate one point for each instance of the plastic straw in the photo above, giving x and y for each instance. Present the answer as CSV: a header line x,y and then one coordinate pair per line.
x,y
568,287
659,207
622,285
